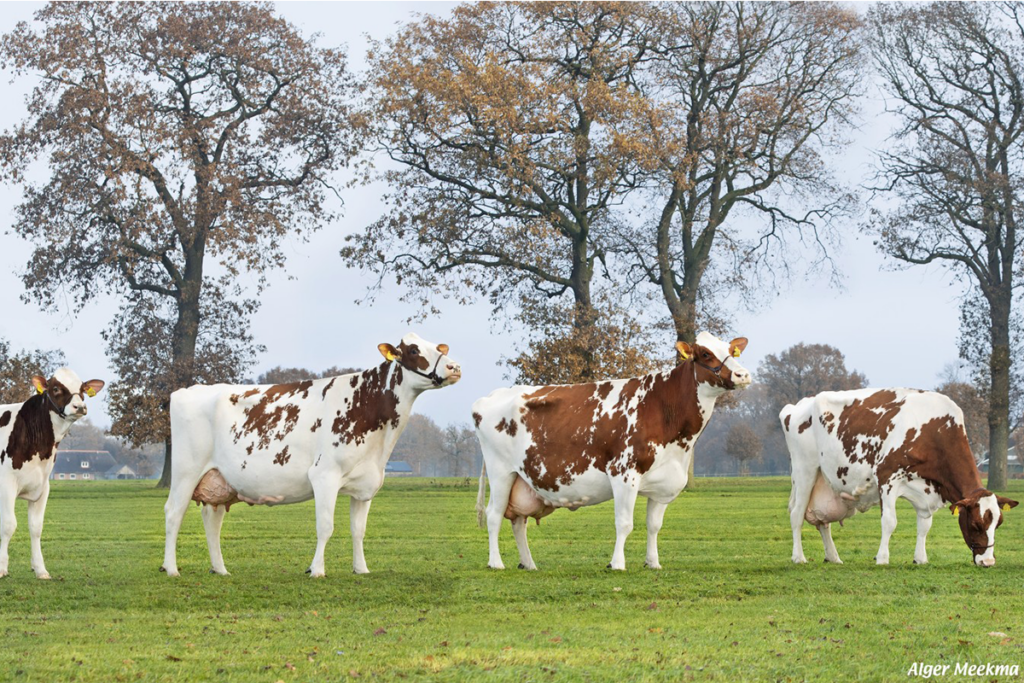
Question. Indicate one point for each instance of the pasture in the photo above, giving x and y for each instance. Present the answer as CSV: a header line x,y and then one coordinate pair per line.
x,y
728,606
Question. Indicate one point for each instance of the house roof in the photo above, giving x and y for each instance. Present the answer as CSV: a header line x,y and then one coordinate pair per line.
x,y
120,469
397,466
70,462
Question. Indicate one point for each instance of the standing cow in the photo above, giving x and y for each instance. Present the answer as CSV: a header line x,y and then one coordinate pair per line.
x,y
581,444
286,443
852,450
29,435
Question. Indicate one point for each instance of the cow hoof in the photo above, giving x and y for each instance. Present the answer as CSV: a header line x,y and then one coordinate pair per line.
x,y
221,573
163,569
522,566
3,574
43,577
495,566
800,560
831,561
309,570
652,566
360,571
317,575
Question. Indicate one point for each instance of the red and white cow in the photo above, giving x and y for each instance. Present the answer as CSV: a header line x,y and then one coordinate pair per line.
x,y
286,443
29,435
547,447
852,450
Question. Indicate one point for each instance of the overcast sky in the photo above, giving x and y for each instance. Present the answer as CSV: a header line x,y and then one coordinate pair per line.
x,y
899,328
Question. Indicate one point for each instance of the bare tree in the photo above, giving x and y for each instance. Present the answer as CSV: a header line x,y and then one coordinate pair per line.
x,y
953,176
502,122
743,102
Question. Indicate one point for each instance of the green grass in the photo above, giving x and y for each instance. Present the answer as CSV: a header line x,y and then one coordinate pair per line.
x,y
728,606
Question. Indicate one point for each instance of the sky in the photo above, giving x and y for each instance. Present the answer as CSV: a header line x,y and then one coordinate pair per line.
x,y
899,327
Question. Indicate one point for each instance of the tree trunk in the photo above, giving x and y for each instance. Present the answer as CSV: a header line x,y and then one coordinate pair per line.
x,y
184,338
585,316
999,396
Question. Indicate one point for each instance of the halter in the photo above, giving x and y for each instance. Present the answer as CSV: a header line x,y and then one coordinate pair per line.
x,y
432,375
60,411
715,371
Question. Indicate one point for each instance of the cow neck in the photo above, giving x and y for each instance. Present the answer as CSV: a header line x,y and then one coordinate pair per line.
x,y
697,400
406,394
959,478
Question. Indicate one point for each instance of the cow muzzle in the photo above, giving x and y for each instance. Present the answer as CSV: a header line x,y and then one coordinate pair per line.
x,y
454,373
984,561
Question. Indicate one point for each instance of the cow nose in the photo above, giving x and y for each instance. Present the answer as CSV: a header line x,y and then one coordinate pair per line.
x,y
454,367
987,562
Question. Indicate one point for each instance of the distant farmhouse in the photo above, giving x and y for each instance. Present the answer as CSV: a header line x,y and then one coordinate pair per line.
x,y
89,465
397,468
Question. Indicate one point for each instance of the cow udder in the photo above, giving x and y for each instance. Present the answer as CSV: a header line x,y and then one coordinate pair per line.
x,y
523,501
827,505
214,490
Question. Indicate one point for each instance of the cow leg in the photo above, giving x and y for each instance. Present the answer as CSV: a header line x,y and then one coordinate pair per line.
x,y
888,526
655,516
924,525
7,525
799,497
174,512
501,488
519,525
325,495
831,554
36,511
624,495
358,512
213,518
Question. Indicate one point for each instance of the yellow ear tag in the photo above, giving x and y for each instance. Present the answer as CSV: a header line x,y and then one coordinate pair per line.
x,y
391,356
39,390
1006,506
736,352
956,512
90,392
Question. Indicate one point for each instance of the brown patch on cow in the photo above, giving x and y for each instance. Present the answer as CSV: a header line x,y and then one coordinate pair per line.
x,y
510,427
374,405
571,433
316,425
477,417
32,433
865,424
803,426
354,381
828,421
235,397
603,390
323,394
282,457
842,472
5,418
785,423
276,423
412,358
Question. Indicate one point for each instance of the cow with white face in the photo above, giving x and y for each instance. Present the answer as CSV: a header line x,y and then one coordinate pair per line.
x,y
852,450
568,446
286,443
29,435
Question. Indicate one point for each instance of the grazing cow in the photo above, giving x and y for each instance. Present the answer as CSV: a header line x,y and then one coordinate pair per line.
x,y
581,444
286,443
29,435
852,450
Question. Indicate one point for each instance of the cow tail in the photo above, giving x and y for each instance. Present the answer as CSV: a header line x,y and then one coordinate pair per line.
x,y
480,496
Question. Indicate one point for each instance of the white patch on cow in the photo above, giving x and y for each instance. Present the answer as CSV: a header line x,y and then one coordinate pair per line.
x,y
988,504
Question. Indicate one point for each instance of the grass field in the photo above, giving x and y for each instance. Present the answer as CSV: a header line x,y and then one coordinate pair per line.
x,y
728,606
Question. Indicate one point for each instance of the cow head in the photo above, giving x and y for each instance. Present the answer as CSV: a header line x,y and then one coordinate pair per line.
x,y
980,514
716,363
428,363
65,393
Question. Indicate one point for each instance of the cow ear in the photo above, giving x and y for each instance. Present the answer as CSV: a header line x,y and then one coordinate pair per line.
x,y
737,346
389,352
39,383
1006,503
93,387
684,350
955,508
442,349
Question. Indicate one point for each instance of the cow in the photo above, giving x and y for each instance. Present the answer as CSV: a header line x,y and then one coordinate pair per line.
x,y
29,435
287,443
852,450
573,445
